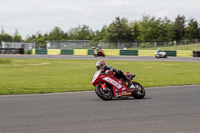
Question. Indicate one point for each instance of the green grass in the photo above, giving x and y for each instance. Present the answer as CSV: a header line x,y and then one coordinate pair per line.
x,y
27,76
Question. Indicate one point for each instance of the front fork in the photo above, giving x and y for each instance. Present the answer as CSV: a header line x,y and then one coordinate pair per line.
x,y
103,85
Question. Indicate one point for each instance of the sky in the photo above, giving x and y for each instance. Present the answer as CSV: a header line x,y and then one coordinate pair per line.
x,y
32,16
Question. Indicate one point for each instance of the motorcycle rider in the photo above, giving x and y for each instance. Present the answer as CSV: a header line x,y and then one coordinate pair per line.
x,y
118,73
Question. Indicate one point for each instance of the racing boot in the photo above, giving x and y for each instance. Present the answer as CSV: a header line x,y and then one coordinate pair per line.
x,y
129,82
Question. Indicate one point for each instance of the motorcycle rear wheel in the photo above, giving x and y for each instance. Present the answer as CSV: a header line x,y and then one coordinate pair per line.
x,y
105,95
139,91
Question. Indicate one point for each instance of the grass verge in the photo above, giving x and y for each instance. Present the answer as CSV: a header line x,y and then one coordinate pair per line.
x,y
28,76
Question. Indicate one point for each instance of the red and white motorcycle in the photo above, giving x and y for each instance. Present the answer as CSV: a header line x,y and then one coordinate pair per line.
x,y
108,86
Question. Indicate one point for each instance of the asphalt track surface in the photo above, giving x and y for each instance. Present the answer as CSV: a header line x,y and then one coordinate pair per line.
x,y
91,57
174,109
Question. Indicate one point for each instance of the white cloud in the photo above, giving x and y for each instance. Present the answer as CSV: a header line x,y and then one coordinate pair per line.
x,y
29,16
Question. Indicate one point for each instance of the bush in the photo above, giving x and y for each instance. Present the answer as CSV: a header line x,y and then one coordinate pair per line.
x,y
170,43
27,51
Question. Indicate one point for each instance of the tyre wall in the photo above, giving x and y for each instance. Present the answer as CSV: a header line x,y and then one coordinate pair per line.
x,y
196,53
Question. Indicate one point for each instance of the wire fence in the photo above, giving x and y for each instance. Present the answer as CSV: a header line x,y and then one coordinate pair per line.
x,y
167,45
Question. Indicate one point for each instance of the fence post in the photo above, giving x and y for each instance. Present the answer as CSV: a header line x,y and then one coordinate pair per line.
x,y
175,44
155,44
118,43
196,41
136,43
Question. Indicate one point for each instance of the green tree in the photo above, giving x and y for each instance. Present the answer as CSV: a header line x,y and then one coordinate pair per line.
x,y
17,37
135,29
150,29
179,27
119,31
80,33
57,34
6,37
168,30
192,30
100,35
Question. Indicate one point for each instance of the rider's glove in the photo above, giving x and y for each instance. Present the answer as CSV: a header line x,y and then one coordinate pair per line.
x,y
113,69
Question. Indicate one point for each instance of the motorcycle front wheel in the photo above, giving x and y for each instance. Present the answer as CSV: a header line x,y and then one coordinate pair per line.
x,y
103,94
139,91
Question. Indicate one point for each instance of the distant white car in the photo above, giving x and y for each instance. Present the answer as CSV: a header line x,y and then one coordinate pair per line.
x,y
160,54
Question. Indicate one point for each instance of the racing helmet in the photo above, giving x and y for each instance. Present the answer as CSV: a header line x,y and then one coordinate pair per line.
x,y
100,64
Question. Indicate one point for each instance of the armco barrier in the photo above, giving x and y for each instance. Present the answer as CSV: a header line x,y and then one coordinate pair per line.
x,y
67,51
53,51
129,52
41,51
80,52
170,53
111,51
146,52
184,53
196,53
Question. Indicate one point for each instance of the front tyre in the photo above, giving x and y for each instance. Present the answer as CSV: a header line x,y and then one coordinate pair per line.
x,y
103,94
139,91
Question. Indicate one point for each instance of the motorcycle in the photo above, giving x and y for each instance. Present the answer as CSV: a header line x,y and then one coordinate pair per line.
x,y
160,54
99,53
107,86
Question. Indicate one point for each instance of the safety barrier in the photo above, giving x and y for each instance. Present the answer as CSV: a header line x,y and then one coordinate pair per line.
x,y
80,52
33,51
90,51
129,52
170,53
41,51
67,51
53,51
184,53
146,52
111,51
196,53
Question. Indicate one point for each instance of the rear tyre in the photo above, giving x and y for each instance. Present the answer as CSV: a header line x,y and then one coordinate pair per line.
x,y
139,91
103,94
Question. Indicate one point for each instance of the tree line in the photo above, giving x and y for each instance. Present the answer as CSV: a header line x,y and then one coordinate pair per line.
x,y
147,29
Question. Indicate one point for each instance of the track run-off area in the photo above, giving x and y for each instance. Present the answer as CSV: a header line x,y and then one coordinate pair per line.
x,y
172,109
